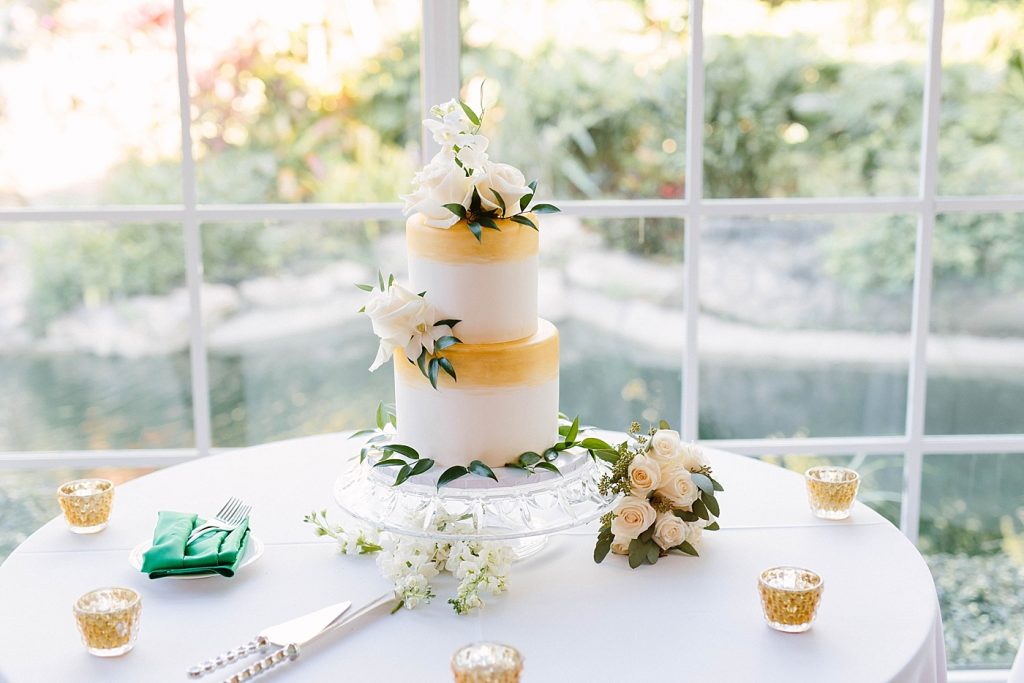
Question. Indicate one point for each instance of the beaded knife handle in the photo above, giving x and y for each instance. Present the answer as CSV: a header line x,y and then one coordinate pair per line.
x,y
256,645
285,654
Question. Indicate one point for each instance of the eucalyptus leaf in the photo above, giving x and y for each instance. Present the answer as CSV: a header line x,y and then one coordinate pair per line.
x,y
648,534
482,470
714,482
545,208
712,527
687,548
637,553
703,482
711,503
451,474
407,451
685,515
601,549
550,467
701,509
652,553
403,474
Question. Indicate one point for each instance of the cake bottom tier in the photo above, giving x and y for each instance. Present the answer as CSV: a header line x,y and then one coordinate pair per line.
x,y
504,403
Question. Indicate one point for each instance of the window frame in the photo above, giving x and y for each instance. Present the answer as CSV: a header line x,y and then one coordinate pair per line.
x,y
440,80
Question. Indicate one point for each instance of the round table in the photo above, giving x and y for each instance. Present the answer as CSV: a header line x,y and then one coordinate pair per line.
x,y
683,619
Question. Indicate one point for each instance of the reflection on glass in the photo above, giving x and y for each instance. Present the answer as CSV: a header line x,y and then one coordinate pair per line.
x,y
588,97
804,325
93,337
972,534
976,346
312,101
813,98
88,103
881,476
981,131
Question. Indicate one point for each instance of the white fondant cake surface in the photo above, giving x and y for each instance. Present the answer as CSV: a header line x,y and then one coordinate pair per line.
x,y
455,426
496,302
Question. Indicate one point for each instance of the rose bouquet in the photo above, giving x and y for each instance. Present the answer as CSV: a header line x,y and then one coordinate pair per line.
x,y
668,498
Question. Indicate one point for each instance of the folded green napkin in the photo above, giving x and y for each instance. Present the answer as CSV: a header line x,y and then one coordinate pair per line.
x,y
217,552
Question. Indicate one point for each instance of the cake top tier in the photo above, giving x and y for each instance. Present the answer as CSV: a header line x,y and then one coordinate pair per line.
x,y
511,241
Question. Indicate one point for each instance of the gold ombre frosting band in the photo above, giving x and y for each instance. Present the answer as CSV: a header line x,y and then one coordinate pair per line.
x,y
513,242
529,361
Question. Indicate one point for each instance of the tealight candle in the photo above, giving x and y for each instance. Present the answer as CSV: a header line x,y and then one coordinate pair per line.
x,y
487,663
86,504
831,491
108,619
790,597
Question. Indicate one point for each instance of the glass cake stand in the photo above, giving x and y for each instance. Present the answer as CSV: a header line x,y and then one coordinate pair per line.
x,y
523,510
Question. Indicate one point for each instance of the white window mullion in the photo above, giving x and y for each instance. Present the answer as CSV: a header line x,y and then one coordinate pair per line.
x,y
917,380
694,184
193,248
440,47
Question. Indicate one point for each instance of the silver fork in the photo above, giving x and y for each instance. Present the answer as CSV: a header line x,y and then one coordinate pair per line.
x,y
227,518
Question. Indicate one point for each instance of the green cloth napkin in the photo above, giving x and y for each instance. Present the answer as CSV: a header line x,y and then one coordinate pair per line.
x,y
217,552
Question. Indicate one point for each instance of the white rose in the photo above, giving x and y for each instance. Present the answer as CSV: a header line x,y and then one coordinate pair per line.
x,y
695,535
677,485
507,181
633,516
692,457
440,182
663,445
404,321
669,530
620,545
644,475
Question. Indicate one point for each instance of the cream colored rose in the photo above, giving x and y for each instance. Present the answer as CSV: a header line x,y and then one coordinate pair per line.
x,y
633,515
402,320
669,530
663,445
677,485
692,457
695,535
507,181
644,475
440,182
620,546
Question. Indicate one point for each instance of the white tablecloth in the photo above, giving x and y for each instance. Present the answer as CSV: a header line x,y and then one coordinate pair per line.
x,y
685,619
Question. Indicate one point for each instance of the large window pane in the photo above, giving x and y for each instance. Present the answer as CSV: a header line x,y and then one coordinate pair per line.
x,y
94,333
881,477
88,103
804,325
312,101
587,96
615,289
972,534
813,98
982,131
976,348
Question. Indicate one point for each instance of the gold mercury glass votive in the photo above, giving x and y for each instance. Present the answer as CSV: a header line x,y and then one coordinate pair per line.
x,y
790,597
86,504
487,663
108,619
831,491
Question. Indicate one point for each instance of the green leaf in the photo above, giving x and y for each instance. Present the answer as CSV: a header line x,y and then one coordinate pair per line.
x,y
380,415
604,544
446,341
607,455
391,462
474,228
563,429
652,553
470,114
379,438
422,362
529,458
701,509
481,470
365,288
574,430
711,503
562,446
685,515
458,209
592,444
550,467
488,222
648,534
551,454
499,200
391,279
363,432
380,279
712,527
407,451
525,200
432,370
475,203
450,322
714,482
421,466
664,425
545,208
637,553
403,474
451,474
447,366
703,482
389,410
687,548
524,220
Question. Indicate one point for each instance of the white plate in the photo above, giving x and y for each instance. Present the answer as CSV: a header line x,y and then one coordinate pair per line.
x,y
253,550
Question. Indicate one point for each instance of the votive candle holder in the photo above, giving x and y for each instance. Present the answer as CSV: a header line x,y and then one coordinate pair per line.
x,y
487,663
108,619
86,504
831,491
790,598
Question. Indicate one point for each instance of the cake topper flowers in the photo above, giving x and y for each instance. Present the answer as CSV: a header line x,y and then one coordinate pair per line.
x,y
461,183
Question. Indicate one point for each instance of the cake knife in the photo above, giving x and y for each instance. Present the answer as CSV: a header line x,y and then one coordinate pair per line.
x,y
289,637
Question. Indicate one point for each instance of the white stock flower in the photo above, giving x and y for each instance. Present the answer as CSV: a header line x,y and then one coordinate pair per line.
x,y
663,445
508,181
403,321
669,530
692,457
677,485
620,546
644,475
473,151
633,515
